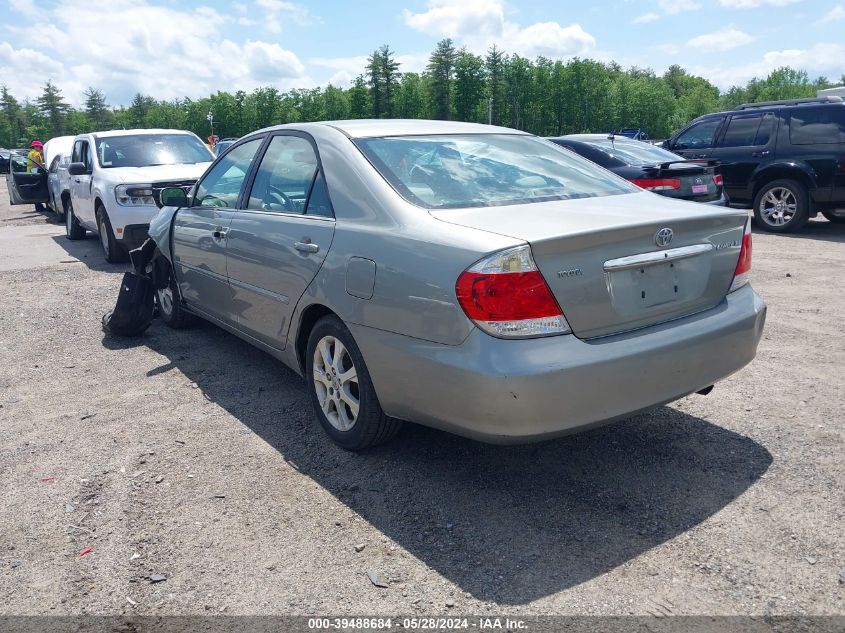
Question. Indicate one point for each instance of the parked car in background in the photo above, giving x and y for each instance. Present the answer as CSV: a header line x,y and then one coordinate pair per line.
x,y
650,167
636,133
785,158
116,178
24,187
223,145
4,160
468,277
58,180
58,183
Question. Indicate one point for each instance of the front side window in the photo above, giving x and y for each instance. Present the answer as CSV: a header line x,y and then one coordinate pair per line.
x,y
221,187
147,150
742,130
817,126
483,170
699,136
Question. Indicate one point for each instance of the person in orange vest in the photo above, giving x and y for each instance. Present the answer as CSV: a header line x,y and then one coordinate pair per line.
x,y
35,157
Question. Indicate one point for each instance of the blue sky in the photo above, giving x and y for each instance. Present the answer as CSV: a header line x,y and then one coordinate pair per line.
x,y
170,48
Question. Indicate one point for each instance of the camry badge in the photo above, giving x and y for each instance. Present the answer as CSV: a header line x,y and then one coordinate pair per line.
x,y
663,237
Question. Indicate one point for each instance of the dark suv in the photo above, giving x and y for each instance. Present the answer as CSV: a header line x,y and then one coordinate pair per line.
x,y
786,158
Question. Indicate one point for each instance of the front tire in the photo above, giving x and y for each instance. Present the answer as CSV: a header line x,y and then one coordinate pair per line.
x,y
170,307
782,206
73,230
112,249
341,389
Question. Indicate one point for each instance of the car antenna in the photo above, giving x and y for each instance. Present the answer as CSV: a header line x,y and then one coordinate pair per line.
x,y
611,137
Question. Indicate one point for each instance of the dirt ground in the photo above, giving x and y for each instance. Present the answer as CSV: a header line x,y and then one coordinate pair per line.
x,y
195,457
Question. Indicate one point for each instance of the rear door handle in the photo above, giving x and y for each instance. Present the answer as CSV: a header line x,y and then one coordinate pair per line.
x,y
762,154
306,247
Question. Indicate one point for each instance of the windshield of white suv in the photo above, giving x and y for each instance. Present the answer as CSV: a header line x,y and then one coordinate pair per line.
x,y
147,150
485,170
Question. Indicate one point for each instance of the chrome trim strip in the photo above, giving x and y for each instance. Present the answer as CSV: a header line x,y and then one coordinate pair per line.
x,y
656,257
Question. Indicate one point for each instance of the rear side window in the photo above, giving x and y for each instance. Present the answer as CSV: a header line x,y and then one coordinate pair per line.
x,y
817,126
742,130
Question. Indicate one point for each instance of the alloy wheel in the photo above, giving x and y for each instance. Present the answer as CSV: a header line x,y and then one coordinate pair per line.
x,y
778,206
336,383
104,236
165,301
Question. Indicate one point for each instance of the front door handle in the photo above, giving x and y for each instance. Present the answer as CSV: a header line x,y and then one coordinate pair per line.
x,y
700,156
762,154
306,247
219,233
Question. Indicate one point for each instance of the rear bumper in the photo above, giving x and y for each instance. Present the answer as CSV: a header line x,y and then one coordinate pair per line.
x,y
509,391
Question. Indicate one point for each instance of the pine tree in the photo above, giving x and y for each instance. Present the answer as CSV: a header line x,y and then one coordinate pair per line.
x,y
469,86
359,99
96,108
496,86
54,107
383,75
441,65
13,115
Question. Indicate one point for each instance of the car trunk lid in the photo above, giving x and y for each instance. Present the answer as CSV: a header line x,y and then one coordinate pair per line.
x,y
695,179
601,259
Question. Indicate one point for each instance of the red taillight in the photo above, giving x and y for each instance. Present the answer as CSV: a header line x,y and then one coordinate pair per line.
x,y
506,295
743,264
657,184
717,180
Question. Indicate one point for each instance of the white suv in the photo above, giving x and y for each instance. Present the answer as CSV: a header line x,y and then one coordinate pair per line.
x,y
116,177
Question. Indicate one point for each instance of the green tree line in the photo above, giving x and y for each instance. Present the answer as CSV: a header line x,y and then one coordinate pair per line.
x,y
543,96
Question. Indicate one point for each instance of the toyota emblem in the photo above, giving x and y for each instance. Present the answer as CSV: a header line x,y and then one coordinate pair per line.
x,y
663,237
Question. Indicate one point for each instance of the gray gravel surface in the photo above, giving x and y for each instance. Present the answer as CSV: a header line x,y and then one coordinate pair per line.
x,y
191,465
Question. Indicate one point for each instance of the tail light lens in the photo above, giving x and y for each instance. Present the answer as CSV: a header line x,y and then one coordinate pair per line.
x,y
506,296
743,265
657,184
717,180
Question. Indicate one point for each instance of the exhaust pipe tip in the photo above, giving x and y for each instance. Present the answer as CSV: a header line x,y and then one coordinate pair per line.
x,y
705,391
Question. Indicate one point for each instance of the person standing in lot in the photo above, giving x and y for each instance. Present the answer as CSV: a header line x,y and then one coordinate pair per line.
x,y
34,162
35,157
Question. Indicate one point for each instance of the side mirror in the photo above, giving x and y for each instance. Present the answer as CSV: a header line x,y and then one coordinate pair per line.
x,y
667,144
173,197
77,169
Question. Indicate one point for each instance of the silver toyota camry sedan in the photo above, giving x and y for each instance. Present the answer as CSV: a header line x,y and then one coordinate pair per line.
x,y
472,278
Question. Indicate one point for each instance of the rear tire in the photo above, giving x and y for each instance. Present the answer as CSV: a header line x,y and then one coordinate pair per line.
x,y
113,250
170,306
73,230
836,219
782,206
341,389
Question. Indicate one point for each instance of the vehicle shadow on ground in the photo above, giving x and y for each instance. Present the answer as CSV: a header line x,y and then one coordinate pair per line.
x,y
89,251
818,229
506,524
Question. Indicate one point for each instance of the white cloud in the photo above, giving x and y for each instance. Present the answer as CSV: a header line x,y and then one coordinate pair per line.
x,y
278,11
667,7
347,68
162,51
645,18
820,59
722,40
478,24
754,4
836,14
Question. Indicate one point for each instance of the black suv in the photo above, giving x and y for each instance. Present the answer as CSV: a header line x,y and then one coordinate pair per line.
x,y
786,158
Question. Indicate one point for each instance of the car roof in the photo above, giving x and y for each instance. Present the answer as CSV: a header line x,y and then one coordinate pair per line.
x,y
368,128
586,138
111,133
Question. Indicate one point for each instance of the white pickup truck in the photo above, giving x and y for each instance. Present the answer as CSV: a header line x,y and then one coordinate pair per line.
x,y
116,177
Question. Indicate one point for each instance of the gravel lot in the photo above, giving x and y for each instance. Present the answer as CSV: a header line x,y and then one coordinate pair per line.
x,y
195,457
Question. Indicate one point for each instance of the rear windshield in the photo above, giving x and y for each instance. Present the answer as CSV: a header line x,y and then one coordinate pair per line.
x,y
147,150
633,152
485,170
